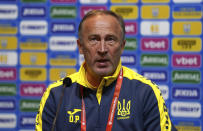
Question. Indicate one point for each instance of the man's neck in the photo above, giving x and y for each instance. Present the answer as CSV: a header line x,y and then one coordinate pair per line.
x,y
93,80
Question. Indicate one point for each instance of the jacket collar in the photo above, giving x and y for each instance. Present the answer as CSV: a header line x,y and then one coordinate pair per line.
x,y
106,81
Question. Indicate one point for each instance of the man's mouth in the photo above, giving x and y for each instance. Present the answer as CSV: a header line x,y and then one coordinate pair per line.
x,y
102,62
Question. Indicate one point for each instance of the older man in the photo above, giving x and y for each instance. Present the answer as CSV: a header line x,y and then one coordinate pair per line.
x,y
104,95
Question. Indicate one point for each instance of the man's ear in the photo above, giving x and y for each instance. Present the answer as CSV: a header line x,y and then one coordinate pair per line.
x,y
80,47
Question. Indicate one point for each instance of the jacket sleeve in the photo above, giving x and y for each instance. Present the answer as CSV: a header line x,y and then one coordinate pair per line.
x,y
155,113
46,112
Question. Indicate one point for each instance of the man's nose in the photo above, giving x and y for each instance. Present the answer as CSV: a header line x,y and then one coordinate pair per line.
x,y
102,49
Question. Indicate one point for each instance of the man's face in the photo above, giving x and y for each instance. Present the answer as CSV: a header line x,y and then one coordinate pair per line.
x,y
101,44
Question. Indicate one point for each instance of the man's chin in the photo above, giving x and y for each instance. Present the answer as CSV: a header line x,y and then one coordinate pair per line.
x,y
103,72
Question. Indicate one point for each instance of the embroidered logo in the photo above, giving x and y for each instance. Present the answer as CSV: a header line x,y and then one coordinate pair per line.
x,y
123,110
73,118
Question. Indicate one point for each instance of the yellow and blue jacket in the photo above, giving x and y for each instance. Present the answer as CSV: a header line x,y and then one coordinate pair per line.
x,y
140,105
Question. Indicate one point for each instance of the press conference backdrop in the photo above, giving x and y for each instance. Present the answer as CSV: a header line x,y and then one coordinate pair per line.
x,y
38,47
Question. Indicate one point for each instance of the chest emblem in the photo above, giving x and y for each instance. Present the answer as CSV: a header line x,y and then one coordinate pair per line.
x,y
123,109
73,117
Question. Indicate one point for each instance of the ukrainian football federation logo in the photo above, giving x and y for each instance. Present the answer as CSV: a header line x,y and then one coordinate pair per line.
x,y
123,110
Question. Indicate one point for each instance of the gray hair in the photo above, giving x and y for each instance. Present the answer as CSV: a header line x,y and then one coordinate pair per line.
x,y
102,12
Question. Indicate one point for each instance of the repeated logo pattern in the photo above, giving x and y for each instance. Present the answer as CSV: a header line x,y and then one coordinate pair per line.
x,y
38,46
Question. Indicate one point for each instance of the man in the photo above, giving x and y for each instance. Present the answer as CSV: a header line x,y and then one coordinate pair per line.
x,y
104,95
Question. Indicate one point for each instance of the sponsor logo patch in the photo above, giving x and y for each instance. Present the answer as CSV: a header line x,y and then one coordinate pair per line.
x,y
124,1
186,76
63,1
33,58
8,12
187,12
32,89
8,42
8,74
182,60
63,43
127,12
187,1
27,121
58,73
29,27
8,120
155,28
7,104
7,89
33,74
155,12
63,12
31,43
187,28
186,93
8,28
186,109
131,28
128,59
131,44
154,60
8,58
62,59
33,11
93,1
33,1
85,9
154,44
155,1
187,44
57,27
29,105
157,76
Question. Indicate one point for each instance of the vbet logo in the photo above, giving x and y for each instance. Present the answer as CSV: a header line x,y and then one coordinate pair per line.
x,y
93,1
32,89
154,44
63,43
188,60
8,73
63,1
8,11
85,9
8,120
33,27
186,109
192,93
131,28
59,27
33,11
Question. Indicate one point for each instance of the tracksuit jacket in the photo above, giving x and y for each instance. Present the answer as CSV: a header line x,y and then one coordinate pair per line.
x,y
140,105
